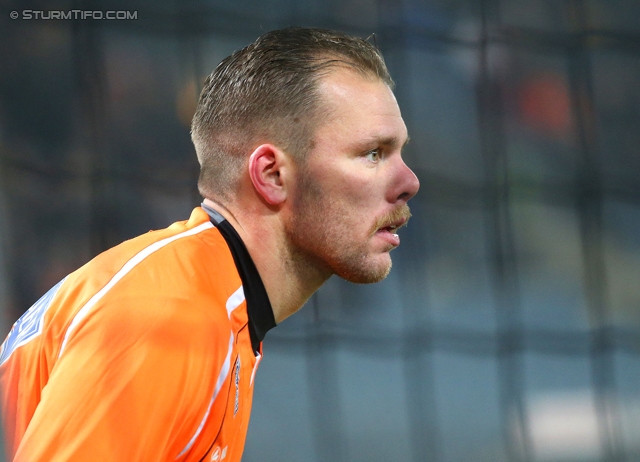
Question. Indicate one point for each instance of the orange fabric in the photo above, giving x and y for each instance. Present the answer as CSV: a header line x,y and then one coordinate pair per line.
x,y
145,356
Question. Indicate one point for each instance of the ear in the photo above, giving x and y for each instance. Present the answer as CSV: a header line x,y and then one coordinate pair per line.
x,y
266,167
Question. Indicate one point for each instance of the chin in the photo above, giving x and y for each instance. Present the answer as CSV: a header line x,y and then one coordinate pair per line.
x,y
367,273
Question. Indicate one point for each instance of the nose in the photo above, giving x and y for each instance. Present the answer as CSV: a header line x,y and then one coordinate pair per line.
x,y
406,184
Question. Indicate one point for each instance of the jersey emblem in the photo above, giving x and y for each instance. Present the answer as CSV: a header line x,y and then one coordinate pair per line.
x,y
29,325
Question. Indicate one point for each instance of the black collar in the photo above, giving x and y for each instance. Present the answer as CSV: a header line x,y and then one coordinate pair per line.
x,y
259,310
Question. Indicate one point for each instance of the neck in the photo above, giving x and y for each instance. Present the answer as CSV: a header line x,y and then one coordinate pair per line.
x,y
288,277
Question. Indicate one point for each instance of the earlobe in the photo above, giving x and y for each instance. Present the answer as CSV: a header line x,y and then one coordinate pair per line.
x,y
265,169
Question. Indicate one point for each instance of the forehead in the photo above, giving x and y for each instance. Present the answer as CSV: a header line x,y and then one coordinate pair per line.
x,y
359,108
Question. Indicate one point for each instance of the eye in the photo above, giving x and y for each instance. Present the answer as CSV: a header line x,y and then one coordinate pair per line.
x,y
373,155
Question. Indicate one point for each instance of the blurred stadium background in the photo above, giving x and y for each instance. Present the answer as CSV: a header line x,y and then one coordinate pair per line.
x,y
509,329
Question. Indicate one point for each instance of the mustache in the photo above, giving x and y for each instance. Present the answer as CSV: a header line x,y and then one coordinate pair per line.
x,y
399,214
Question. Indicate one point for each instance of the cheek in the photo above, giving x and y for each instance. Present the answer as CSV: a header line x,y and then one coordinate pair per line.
x,y
347,188
361,194
353,182
354,209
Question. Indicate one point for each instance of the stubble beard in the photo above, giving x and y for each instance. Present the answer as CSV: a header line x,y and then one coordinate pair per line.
x,y
318,239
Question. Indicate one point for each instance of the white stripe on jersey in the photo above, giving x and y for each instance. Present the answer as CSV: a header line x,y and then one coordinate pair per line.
x,y
137,258
255,368
233,302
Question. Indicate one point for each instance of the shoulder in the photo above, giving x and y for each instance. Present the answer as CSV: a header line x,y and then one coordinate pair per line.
x,y
170,285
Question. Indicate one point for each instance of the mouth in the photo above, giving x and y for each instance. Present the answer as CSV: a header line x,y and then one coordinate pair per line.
x,y
392,221
387,226
394,226
389,235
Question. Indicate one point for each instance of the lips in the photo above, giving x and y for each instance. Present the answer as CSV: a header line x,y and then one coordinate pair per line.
x,y
387,226
392,227
388,234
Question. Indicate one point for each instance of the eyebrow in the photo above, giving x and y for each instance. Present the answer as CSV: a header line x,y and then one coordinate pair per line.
x,y
388,141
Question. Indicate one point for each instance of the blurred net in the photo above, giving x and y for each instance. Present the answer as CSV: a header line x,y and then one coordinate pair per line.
x,y
509,327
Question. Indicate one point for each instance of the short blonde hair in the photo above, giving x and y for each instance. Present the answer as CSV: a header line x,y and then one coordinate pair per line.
x,y
268,92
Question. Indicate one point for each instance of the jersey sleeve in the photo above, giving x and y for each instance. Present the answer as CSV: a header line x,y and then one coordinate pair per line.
x,y
129,386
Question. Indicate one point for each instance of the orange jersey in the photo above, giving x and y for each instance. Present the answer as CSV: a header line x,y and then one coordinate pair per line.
x,y
146,353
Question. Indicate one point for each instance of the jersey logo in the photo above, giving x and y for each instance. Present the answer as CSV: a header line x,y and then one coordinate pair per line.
x,y
217,455
29,325
237,380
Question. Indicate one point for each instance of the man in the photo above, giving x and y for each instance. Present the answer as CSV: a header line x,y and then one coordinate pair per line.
x,y
149,351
